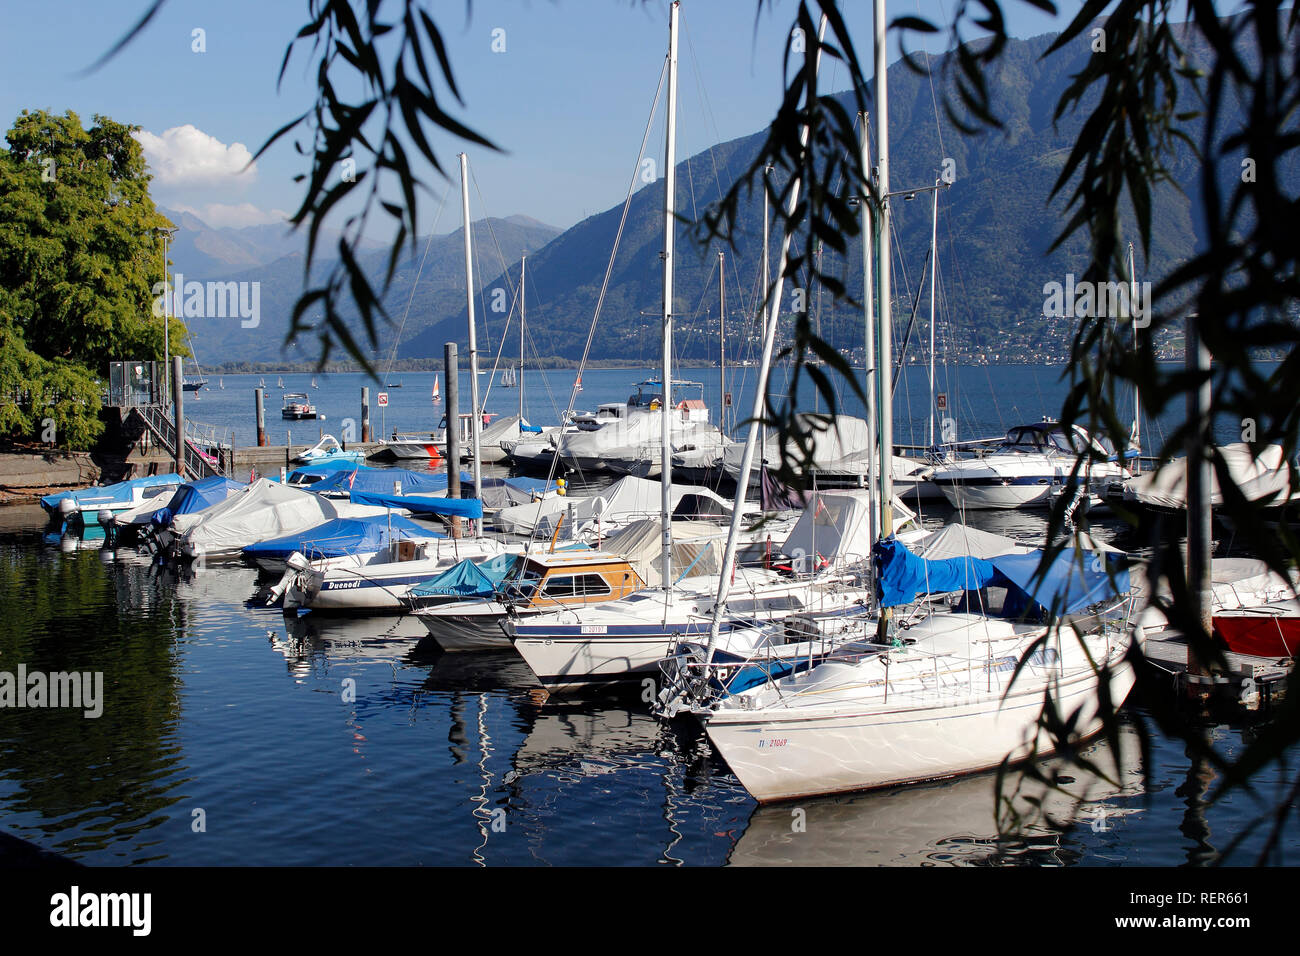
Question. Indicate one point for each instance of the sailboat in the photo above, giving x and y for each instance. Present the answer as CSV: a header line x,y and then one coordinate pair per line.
x,y
509,378
193,384
279,382
221,382
963,686
313,382
437,391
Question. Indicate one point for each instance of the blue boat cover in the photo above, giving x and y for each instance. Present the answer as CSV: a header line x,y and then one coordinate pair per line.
x,y
901,575
468,579
319,469
1074,579
537,429
338,537
192,496
119,492
420,504
381,480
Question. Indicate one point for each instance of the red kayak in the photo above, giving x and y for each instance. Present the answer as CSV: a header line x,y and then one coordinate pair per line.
x,y
1269,630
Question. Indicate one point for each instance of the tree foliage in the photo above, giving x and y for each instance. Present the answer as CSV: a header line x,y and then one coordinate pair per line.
x,y
80,250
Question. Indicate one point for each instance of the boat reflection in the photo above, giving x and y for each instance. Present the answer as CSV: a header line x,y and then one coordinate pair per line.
x,y
949,823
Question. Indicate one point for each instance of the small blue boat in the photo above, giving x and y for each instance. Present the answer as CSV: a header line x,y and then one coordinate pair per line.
x,y
76,505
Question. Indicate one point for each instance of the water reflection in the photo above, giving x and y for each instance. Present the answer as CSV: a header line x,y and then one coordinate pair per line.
x,y
948,823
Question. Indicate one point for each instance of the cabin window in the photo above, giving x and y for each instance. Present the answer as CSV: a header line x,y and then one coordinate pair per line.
x,y
565,586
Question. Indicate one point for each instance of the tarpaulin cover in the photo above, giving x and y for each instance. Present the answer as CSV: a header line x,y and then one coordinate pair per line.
x,y
901,575
190,497
309,474
422,504
468,579
340,536
381,480
1074,580
265,509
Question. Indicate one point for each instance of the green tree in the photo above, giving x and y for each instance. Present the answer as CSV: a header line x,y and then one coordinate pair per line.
x,y
79,254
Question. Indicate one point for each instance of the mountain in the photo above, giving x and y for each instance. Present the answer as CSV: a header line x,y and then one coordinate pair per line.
x,y
441,289
996,228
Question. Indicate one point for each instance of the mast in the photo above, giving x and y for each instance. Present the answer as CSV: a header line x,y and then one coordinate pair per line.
x,y
934,278
722,336
666,409
523,321
475,416
868,314
884,398
1135,433
760,390
767,279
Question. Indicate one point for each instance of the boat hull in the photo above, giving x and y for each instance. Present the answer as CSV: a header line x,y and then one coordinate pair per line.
x,y
781,755
1259,635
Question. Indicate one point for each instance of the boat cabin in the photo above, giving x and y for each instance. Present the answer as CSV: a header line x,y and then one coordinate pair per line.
x,y
568,578
1047,437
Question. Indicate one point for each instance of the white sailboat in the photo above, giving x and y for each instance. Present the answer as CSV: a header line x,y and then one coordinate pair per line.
x,y
929,690
437,391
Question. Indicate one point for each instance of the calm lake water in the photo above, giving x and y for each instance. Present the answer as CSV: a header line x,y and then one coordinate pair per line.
x,y
233,735
983,401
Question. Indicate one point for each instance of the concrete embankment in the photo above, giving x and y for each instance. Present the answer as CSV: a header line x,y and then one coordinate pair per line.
x,y
25,476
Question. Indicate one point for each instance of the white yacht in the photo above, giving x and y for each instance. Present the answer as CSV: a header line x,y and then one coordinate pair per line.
x,y
1032,465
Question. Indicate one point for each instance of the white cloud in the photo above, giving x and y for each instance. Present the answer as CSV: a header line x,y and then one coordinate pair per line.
x,y
187,156
220,215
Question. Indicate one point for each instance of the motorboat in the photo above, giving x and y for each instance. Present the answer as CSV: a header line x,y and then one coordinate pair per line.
x,y
87,505
265,509
533,584
1029,468
297,406
329,449
339,540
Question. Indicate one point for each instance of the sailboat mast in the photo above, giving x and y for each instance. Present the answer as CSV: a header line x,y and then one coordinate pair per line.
x,y
868,313
934,277
884,398
1135,433
523,320
670,224
767,288
773,305
475,421
722,338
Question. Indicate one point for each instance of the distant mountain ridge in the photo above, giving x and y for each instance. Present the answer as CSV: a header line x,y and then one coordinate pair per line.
x,y
995,230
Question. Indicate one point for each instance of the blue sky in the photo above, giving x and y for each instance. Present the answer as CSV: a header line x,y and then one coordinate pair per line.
x,y
567,99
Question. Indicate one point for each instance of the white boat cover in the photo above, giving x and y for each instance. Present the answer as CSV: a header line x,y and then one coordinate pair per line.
x,y
1260,479
696,550
835,527
960,541
847,440
265,509
625,500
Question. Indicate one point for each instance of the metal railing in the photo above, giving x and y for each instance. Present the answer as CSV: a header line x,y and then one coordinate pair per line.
x,y
196,462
